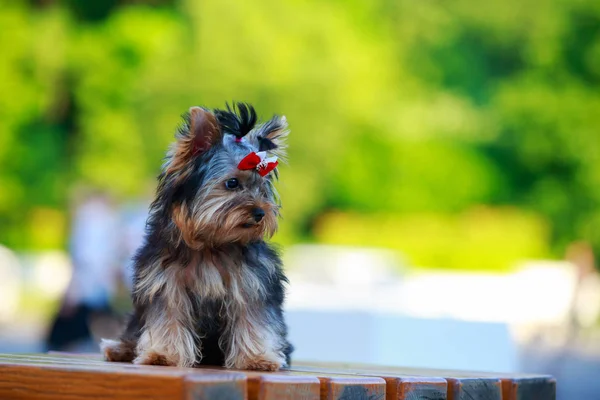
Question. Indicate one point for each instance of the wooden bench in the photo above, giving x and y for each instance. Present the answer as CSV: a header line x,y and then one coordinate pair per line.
x,y
61,376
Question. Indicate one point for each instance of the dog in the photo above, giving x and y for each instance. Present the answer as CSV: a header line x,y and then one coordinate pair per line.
x,y
208,287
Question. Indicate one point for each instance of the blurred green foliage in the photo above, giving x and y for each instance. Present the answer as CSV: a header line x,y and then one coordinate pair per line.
x,y
404,114
478,239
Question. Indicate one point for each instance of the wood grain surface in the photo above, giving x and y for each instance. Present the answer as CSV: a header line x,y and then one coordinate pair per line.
x,y
474,389
228,386
67,376
416,388
511,387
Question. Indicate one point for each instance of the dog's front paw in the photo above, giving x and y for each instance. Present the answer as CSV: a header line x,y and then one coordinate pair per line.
x,y
152,357
262,363
117,351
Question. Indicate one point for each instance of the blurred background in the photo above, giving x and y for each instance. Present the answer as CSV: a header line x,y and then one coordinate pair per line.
x,y
441,200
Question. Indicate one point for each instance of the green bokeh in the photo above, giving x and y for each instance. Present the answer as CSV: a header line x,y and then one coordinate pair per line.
x,y
409,112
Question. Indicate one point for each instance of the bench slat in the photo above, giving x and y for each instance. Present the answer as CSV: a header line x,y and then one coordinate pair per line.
x,y
56,376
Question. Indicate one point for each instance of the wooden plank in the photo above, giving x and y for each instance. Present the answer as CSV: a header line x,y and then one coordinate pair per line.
x,y
42,361
513,386
531,388
259,385
264,385
352,388
322,366
272,386
226,386
294,384
342,386
397,386
474,389
277,385
311,385
92,365
458,388
46,382
52,353
189,383
62,374
415,388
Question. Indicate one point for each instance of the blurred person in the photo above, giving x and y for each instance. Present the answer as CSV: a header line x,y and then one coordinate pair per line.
x,y
94,248
585,305
133,226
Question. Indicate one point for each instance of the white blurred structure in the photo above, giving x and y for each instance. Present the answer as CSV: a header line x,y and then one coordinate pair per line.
x,y
50,274
10,284
387,339
351,304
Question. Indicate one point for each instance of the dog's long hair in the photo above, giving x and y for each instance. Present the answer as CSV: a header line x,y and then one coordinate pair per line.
x,y
208,289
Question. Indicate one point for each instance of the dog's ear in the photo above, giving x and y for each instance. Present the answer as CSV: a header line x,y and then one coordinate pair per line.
x,y
272,135
196,136
204,129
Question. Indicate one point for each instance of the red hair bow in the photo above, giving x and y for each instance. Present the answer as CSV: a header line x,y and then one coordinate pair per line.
x,y
259,162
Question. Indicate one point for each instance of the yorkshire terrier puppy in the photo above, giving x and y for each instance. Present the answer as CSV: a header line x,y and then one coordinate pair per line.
x,y
207,288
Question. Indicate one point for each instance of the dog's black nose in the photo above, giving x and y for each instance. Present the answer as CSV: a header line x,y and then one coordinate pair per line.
x,y
258,214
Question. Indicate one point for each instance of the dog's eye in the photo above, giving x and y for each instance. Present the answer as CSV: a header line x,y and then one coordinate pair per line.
x,y
232,183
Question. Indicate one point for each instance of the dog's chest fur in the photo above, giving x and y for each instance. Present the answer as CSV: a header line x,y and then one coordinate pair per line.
x,y
230,274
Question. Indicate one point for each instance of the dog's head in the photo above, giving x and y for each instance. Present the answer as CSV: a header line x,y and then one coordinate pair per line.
x,y
216,186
